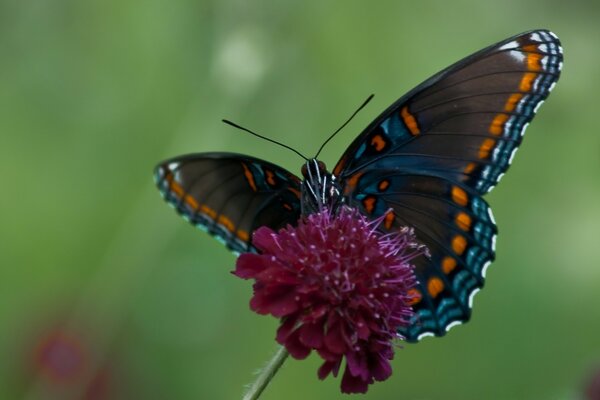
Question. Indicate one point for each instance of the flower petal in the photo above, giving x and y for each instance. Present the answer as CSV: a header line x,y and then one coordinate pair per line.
x,y
278,301
353,384
329,367
334,341
356,362
266,240
380,367
289,323
295,347
248,265
312,335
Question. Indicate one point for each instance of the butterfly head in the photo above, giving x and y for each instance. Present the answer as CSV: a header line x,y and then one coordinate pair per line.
x,y
319,188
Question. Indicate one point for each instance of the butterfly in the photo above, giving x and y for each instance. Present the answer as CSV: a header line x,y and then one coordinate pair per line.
x,y
430,157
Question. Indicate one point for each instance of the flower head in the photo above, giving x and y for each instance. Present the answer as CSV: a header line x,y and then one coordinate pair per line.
x,y
341,288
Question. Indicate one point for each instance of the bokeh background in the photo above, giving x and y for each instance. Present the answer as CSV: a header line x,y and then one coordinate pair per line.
x,y
107,294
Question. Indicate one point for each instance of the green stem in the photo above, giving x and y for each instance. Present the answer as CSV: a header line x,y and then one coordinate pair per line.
x,y
267,373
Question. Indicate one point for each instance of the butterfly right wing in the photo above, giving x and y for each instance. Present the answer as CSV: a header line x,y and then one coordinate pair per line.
x,y
230,195
432,155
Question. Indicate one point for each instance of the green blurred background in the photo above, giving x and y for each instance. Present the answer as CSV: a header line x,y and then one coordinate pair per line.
x,y
101,281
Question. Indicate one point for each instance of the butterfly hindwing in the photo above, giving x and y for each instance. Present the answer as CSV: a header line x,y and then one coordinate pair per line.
x,y
230,195
433,153
453,221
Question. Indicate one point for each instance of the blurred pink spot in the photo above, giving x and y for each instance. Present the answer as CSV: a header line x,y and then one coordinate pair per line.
x,y
60,356
592,390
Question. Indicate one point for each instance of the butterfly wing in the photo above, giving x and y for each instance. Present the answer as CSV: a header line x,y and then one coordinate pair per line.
x,y
230,195
435,151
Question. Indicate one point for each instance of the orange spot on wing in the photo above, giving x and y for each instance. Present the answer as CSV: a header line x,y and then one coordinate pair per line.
x,y
174,186
410,121
249,177
435,286
383,185
459,244
512,101
226,222
243,235
295,191
448,264
369,204
527,81
463,221
389,220
533,62
459,196
486,146
191,202
530,47
470,167
340,165
352,182
378,142
415,296
287,206
497,125
533,58
270,177
208,211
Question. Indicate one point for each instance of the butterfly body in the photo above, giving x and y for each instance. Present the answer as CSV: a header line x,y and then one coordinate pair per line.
x,y
430,157
320,188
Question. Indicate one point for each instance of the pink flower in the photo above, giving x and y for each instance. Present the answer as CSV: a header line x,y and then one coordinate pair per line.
x,y
340,287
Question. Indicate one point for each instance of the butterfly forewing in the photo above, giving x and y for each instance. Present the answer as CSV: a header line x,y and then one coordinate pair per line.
x,y
435,151
230,195
465,122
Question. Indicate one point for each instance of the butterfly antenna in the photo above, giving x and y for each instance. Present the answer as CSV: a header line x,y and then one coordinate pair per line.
x,y
265,138
345,123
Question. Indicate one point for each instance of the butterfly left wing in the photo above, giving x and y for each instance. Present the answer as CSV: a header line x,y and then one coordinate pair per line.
x,y
230,195
433,153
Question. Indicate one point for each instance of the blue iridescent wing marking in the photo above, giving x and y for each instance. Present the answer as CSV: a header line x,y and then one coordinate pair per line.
x,y
435,151
230,195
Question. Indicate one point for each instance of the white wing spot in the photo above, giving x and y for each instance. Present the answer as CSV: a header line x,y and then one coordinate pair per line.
x,y
546,37
535,37
472,296
485,268
518,56
512,155
525,125
491,216
509,45
453,324
424,335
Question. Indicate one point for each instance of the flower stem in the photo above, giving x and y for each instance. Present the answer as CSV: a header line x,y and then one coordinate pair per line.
x,y
267,373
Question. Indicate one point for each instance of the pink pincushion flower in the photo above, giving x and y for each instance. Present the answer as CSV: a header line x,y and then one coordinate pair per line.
x,y
341,288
